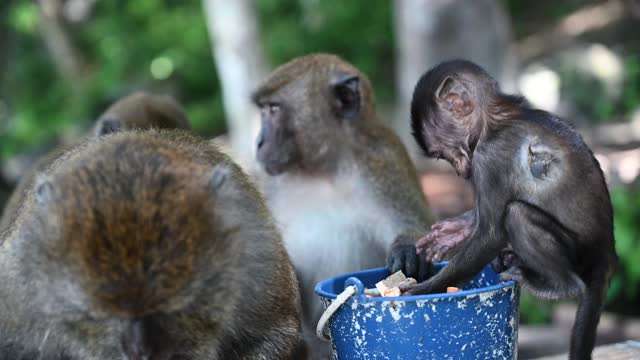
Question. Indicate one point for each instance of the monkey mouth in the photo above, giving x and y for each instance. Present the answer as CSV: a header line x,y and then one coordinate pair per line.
x,y
274,168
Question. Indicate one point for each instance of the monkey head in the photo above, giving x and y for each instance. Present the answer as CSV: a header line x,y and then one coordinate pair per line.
x,y
124,236
142,111
309,108
449,111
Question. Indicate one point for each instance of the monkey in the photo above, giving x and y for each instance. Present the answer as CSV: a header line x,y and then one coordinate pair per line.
x,y
139,110
542,211
340,184
146,245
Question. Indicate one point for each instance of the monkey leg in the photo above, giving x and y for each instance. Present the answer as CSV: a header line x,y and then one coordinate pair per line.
x,y
445,236
506,260
542,247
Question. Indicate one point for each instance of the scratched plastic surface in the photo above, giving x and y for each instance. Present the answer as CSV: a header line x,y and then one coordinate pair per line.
x,y
479,322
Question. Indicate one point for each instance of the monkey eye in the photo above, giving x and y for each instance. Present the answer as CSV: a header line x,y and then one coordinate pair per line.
x,y
269,109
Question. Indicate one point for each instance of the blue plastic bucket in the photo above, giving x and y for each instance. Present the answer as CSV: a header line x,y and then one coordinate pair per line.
x,y
479,322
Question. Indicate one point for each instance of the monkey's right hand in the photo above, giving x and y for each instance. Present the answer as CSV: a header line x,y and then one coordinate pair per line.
x,y
404,257
444,236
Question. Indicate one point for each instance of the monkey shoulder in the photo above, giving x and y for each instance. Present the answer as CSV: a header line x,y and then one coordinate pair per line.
x,y
387,166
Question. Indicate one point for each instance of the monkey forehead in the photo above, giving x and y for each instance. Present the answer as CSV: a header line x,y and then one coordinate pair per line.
x,y
133,184
135,212
318,66
142,110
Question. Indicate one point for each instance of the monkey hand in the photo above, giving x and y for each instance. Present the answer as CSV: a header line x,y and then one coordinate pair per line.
x,y
416,289
403,257
444,237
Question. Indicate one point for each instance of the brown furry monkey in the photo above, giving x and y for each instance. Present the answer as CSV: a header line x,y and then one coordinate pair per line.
x,y
146,245
542,204
341,185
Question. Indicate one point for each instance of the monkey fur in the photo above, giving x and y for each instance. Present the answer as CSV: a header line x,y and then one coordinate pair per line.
x,y
542,210
139,110
146,245
341,185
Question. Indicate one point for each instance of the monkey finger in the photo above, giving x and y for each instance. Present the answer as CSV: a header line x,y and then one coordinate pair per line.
x,y
427,239
425,269
451,227
411,265
405,288
396,260
441,253
430,255
418,289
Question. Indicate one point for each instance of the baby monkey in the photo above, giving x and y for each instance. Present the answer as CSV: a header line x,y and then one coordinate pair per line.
x,y
542,206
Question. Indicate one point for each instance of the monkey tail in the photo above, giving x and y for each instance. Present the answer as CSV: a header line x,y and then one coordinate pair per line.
x,y
583,335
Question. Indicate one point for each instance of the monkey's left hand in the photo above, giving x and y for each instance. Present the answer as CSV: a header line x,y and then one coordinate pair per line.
x,y
404,257
444,236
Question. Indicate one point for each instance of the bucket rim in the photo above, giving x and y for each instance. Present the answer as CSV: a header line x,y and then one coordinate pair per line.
x,y
362,297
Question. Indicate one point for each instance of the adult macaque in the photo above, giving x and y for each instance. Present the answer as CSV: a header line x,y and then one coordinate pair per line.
x,y
139,110
542,205
341,185
146,245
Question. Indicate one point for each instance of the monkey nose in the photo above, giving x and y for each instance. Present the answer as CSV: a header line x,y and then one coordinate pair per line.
x,y
260,140
136,343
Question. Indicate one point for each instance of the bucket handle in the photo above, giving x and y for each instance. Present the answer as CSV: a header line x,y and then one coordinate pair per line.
x,y
354,285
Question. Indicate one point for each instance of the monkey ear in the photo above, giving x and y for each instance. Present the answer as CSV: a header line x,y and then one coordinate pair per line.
x,y
107,126
43,190
219,175
346,94
454,97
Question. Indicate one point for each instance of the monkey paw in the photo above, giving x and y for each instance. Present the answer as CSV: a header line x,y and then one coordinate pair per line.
x,y
505,261
404,257
444,237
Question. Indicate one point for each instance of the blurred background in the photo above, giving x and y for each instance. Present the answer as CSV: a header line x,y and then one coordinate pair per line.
x,y
62,62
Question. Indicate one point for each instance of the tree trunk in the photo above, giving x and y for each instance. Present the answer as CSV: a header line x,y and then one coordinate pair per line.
x,y
68,60
233,31
431,31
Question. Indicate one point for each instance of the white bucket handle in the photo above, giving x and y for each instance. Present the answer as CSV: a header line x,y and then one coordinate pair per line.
x,y
348,292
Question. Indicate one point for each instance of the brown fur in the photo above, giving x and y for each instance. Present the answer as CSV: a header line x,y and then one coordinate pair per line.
x,y
141,111
343,187
152,228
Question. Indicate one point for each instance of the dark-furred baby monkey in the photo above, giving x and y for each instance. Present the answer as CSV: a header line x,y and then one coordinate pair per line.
x,y
542,206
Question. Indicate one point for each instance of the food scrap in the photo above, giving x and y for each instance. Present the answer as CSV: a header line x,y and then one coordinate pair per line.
x,y
390,286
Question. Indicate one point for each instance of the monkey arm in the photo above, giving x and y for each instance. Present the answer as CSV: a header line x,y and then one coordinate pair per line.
x,y
402,197
473,254
445,236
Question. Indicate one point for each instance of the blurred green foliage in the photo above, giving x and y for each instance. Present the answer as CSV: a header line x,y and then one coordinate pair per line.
x,y
120,43
626,282
163,46
360,31
531,16
592,97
